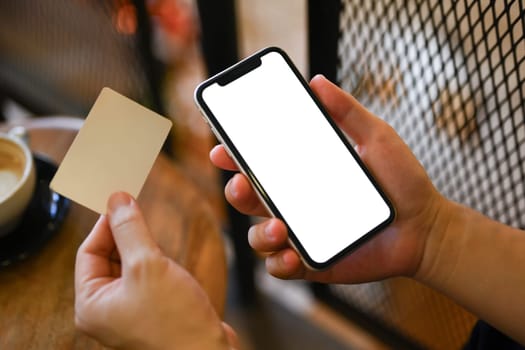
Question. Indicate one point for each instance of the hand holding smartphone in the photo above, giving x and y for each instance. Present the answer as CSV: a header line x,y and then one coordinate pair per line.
x,y
299,162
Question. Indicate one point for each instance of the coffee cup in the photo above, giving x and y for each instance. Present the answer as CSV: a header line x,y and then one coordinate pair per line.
x,y
17,178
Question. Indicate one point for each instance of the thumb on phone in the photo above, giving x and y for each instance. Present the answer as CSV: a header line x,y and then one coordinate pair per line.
x,y
346,111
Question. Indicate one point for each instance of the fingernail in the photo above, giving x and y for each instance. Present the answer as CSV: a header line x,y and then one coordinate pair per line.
x,y
230,188
359,150
251,234
288,257
118,200
268,231
213,150
319,76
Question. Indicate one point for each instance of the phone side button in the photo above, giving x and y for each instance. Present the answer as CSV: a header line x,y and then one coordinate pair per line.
x,y
203,115
217,135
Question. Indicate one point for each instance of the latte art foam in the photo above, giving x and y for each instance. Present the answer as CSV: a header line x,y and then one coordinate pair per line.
x,y
8,180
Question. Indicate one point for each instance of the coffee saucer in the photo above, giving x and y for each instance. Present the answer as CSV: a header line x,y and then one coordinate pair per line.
x,y
41,220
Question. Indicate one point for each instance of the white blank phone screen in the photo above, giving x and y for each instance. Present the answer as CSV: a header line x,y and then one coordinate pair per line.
x,y
302,164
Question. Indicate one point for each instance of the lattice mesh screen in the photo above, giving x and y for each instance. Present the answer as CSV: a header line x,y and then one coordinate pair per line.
x,y
449,77
72,47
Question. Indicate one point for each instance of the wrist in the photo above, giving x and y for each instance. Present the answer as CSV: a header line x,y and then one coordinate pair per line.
x,y
202,334
212,337
214,340
441,243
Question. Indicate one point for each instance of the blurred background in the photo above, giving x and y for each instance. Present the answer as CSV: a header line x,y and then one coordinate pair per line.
x,y
447,75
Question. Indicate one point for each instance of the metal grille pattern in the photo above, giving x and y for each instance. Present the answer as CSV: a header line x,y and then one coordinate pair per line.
x,y
412,310
449,77
70,47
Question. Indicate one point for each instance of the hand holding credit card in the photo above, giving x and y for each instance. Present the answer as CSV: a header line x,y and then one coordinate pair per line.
x,y
113,151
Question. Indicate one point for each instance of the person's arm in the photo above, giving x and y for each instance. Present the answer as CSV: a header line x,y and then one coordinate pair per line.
x,y
480,263
129,295
476,261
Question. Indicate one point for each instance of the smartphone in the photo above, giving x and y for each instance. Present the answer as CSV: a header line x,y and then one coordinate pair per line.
x,y
301,165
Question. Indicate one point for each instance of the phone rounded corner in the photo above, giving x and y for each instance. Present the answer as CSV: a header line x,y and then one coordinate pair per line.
x,y
393,215
199,91
273,48
392,212
316,266
196,98
307,261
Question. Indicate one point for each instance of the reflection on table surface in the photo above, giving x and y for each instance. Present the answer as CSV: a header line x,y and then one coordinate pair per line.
x,y
37,294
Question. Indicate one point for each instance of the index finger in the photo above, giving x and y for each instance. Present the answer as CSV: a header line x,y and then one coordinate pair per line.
x,y
93,261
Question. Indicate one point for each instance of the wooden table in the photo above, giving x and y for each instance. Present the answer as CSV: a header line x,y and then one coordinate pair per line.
x,y
37,295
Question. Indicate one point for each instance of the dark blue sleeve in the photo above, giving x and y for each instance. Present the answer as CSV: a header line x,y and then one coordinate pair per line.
x,y
485,337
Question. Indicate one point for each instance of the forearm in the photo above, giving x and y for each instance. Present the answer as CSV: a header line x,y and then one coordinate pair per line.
x,y
480,263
